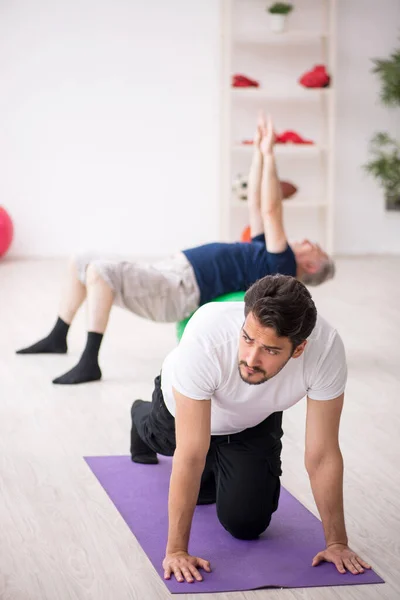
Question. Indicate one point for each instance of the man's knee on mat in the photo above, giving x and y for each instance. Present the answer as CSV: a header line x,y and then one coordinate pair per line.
x,y
242,526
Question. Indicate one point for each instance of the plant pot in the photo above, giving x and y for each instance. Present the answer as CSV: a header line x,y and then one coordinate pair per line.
x,y
277,23
392,202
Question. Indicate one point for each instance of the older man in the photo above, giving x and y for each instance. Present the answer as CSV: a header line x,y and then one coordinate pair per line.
x,y
173,288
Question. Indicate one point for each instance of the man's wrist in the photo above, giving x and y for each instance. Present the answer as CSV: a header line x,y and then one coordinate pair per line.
x,y
336,543
175,551
269,155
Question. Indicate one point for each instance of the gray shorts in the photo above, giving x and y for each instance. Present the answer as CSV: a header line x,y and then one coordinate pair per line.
x,y
166,290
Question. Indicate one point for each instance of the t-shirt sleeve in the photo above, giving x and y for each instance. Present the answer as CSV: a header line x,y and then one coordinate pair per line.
x,y
195,374
282,262
196,371
330,376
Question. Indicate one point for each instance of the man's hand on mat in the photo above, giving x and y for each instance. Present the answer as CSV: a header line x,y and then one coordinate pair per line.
x,y
184,567
343,558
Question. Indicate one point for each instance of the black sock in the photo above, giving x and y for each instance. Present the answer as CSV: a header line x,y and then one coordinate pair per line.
x,y
87,368
54,343
140,451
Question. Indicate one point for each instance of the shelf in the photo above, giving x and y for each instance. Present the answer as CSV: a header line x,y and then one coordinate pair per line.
x,y
286,37
284,149
292,203
296,92
277,62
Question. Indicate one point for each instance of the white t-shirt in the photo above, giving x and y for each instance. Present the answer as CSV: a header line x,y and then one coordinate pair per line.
x,y
205,366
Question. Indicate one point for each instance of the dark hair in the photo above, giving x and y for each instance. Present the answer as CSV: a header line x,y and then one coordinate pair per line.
x,y
283,303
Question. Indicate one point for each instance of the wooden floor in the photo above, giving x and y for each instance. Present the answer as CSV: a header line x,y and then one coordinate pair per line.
x,y
60,536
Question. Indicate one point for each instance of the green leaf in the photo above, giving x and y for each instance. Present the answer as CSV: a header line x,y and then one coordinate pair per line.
x,y
280,8
388,71
384,165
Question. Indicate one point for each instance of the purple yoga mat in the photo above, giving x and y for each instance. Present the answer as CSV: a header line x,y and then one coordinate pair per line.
x,y
281,557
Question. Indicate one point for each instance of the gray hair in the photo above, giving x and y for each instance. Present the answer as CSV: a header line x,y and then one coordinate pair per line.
x,y
324,273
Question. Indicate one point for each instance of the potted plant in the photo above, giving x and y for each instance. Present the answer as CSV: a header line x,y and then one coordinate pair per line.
x,y
385,161
385,167
278,14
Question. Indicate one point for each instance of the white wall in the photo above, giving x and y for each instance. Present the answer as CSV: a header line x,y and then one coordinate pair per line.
x,y
109,124
366,29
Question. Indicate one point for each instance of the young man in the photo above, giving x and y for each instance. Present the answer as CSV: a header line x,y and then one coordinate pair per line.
x,y
172,289
218,410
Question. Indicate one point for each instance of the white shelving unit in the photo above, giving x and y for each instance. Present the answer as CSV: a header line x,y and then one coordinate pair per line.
x,y
297,150
277,60
292,93
299,204
290,36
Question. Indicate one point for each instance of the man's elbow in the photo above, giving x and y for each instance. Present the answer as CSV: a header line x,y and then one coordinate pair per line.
x,y
326,458
194,458
272,212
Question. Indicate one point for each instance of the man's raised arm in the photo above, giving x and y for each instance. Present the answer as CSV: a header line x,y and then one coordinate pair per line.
x,y
271,196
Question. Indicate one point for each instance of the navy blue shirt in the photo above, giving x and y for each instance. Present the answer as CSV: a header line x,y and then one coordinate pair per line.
x,y
221,268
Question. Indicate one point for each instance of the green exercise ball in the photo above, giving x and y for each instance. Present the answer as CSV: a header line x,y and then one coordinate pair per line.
x,y
232,297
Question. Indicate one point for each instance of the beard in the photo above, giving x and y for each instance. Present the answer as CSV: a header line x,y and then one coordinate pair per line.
x,y
265,376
